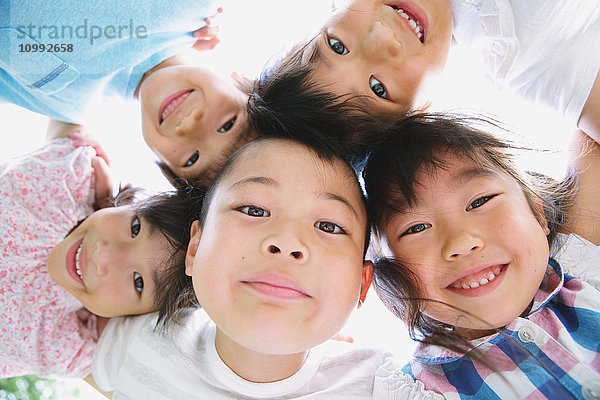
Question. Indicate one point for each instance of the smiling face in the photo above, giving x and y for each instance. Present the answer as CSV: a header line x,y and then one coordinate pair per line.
x,y
278,265
474,242
108,262
386,50
191,117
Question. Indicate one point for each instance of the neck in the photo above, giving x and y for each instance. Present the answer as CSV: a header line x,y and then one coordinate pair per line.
x,y
254,366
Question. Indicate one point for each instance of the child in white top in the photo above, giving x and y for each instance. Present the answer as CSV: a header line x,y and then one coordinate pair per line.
x,y
468,267
277,264
382,55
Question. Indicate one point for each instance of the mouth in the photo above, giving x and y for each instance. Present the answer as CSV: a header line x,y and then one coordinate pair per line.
x,y
480,282
73,263
277,286
415,23
170,104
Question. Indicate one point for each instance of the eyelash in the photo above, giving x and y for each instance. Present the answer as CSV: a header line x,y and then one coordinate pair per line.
x,y
331,42
227,126
413,230
135,227
380,87
245,209
423,226
319,225
138,278
192,160
483,199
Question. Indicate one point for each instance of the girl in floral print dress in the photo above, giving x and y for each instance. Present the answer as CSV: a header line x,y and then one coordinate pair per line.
x,y
65,268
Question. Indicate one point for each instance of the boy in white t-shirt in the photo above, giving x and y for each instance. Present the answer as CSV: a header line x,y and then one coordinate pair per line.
x,y
276,260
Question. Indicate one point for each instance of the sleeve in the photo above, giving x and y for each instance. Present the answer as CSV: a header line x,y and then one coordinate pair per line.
x,y
393,384
113,345
55,182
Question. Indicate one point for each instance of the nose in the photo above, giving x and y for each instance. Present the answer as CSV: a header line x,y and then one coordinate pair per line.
x,y
107,256
461,244
286,245
381,42
191,123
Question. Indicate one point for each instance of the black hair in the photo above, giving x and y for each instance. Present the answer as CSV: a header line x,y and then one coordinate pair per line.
x,y
421,143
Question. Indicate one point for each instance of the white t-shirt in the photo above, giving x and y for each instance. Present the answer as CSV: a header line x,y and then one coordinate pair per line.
x,y
547,51
134,361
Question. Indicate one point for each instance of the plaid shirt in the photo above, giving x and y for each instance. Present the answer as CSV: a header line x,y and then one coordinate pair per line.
x,y
553,353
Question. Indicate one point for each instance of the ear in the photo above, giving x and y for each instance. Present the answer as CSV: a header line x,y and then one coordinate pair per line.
x,y
190,255
333,7
539,214
365,284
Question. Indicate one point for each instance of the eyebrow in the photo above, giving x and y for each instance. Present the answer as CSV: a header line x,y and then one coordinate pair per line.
x,y
263,180
335,197
474,173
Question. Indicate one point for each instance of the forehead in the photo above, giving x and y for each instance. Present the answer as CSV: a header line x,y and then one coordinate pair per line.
x,y
296,168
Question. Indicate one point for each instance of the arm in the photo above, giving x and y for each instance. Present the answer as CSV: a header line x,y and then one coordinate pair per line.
x,y
59,129
584,218
589,121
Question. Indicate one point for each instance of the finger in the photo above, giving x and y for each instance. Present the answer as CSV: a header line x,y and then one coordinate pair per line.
x,y
102,180
203,45
206,32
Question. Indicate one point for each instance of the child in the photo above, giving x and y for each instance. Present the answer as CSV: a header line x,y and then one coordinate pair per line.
x,y
471,273
383,55
62,279
277,262
57,57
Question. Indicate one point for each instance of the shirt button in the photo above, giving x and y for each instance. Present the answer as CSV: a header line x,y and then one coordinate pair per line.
x,y
525,335
591,391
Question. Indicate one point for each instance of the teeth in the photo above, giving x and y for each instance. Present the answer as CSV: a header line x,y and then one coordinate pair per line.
x,y
77,267
414,24
172,106
483,281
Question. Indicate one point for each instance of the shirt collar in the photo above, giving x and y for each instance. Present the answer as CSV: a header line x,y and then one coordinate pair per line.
x,y
551,284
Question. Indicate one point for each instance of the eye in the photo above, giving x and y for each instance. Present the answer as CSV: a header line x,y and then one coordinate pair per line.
x,y
416,229
337,46
138,282
377,88
136,225
253,211
228,125
479,202
329,227
192,160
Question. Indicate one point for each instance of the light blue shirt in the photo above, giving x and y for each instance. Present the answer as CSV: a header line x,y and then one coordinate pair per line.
x,y
96,48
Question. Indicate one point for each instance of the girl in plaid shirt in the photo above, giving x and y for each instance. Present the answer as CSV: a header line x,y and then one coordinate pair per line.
x,y
487,270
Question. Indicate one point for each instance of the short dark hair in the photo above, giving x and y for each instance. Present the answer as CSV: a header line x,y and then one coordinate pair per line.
x,y
178,288
421,142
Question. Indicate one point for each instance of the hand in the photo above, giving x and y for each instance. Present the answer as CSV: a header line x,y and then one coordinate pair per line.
x,y
82,138
206,37
103,183
342,338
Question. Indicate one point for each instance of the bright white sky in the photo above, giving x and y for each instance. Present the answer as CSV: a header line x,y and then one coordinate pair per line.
x,y
251,32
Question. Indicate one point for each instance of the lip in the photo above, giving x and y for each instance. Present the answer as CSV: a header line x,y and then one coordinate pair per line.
x,y
416,12
70,261
481,290
276,286
172,100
